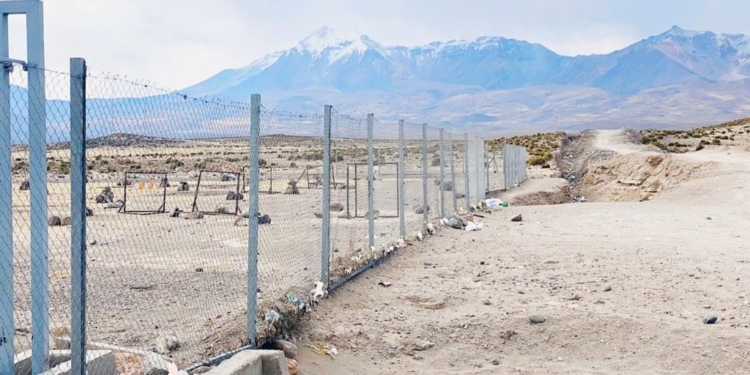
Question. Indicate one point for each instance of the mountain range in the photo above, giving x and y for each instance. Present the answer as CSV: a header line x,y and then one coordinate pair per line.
x,y
677,79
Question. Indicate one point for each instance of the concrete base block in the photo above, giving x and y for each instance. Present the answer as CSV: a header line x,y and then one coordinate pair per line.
x,y
253,362
98,362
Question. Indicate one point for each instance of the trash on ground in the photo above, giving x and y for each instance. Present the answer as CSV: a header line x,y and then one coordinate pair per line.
x,y
322,348
494,203
471,227
272,316
385,283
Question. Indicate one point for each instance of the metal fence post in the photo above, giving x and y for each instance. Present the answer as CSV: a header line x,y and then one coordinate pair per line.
x,y
442,176
453,172
252,239
401,183
370,181
326,209
38,189
425,208
466,171
7,330
477,170
78,215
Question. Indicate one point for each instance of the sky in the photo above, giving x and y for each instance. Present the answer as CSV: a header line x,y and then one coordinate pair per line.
x,y
177,43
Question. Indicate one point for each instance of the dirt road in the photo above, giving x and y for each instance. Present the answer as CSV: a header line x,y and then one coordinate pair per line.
x,y
460,303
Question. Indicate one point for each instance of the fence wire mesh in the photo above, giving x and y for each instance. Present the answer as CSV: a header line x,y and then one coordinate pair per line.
x,y
179,273
168,206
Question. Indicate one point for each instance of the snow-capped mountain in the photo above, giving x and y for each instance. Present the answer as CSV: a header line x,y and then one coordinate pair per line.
x,y
503,82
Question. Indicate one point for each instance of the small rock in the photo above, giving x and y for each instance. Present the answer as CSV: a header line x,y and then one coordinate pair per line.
x,y
608,289
290,350
291,365
487,303
710,320
517,218
65,221
481,263
199,269
537,319
92,243
709,218
495,362
166,344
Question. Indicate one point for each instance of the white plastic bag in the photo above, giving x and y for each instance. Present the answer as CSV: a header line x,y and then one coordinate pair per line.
x,y
471,226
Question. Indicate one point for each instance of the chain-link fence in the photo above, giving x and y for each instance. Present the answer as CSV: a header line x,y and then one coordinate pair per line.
x,y
147,226
514,165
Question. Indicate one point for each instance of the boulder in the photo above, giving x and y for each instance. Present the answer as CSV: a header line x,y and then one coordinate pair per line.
x,y
25,185
183,186
420,210
175,212
54,221
376,214
65,221
89,212
195,215
231,196
337,207
265,219
517,218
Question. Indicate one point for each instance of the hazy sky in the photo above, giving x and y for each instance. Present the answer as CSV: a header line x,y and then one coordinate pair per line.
x,y
176,43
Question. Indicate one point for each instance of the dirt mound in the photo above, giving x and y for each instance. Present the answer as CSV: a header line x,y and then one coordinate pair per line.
x,y
540,198
638,177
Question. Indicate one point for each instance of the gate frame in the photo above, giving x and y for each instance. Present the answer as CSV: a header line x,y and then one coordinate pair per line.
x,y
162,209
238,177
356,189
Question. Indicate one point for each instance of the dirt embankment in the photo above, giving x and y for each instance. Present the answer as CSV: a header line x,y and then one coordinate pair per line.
x,y
615,166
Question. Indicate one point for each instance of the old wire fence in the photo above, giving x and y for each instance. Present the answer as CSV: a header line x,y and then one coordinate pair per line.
x,y
143,218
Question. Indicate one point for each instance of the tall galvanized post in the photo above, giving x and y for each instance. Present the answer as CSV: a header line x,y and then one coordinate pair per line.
x,y
442,175
401,183
466,171
252,231
38,189
425,208
505,166
7,330
477,168
78,215
326,225
370,180
453,172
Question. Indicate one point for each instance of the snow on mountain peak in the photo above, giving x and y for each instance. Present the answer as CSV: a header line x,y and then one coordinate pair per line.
x,y
325,38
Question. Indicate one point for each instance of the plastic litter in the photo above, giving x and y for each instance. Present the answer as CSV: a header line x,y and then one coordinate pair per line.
x,y
272,316
318,291
385,283
471,227
494,202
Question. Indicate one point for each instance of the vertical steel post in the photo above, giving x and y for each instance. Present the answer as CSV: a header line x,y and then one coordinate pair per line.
x,y
78,215
326,225
466,171
401,182
505,166
252,228
477,170
370,180
38,190
442,175
453,172
7,330
425,207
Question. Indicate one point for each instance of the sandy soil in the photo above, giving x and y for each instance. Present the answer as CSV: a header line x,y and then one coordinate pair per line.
x,y
460,302
153,275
